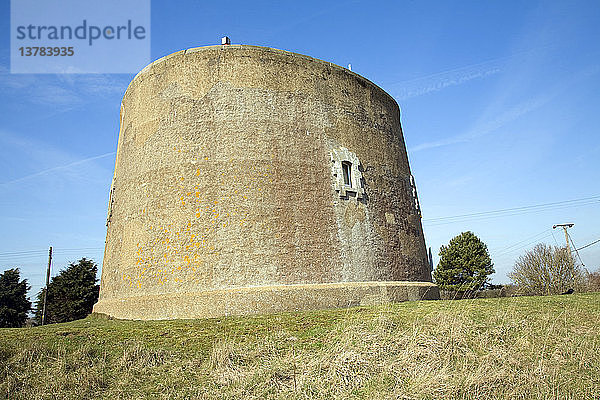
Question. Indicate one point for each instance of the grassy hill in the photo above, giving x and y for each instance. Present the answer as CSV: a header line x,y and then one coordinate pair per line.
x,y
507,348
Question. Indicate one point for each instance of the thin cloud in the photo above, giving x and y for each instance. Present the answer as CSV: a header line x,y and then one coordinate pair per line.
x,y
61,90
58,168
442,80
488,126
457,76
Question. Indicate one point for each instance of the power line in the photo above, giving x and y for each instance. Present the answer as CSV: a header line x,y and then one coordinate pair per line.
x,y
517,210
554,237
521,241
34,255
481,218
506,253
506,212
520,208
506,215
36,252
16,253
589,244
576,252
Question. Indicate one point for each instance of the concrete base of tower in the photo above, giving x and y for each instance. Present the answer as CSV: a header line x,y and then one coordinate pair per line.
x,y
265,300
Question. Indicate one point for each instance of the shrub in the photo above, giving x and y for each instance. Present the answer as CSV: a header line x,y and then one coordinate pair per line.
x,y
547,270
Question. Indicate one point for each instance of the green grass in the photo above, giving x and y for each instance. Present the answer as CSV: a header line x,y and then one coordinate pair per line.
x,y
506,348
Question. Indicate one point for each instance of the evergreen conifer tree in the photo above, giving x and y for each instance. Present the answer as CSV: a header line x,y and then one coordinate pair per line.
x,y
465,264
71,294
14,304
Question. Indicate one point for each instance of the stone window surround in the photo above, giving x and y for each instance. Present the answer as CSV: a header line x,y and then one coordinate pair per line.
x,y
341,155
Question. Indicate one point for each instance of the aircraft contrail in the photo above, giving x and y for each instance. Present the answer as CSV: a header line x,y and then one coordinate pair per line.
x,y
46,171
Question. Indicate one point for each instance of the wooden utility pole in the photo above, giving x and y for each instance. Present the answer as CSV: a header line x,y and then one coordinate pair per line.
x,y
47,282
565,226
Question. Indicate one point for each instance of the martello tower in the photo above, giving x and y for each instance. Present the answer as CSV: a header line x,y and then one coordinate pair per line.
x,y
255,180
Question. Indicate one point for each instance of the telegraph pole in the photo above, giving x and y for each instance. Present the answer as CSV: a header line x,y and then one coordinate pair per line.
x,y
565,227
47,282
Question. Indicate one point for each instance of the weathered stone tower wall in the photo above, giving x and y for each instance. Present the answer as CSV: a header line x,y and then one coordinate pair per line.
x,y
250,179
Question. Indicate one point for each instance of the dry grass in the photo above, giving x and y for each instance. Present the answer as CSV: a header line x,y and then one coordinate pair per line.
x,y
506,348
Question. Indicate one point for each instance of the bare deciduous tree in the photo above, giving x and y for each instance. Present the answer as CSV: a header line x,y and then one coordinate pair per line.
x,y
594,281
547,270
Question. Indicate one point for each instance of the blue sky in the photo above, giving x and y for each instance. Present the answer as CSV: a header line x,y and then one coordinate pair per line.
x,y
499,106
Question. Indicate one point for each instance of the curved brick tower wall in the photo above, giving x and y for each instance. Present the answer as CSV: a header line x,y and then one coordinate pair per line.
x,y
254,180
